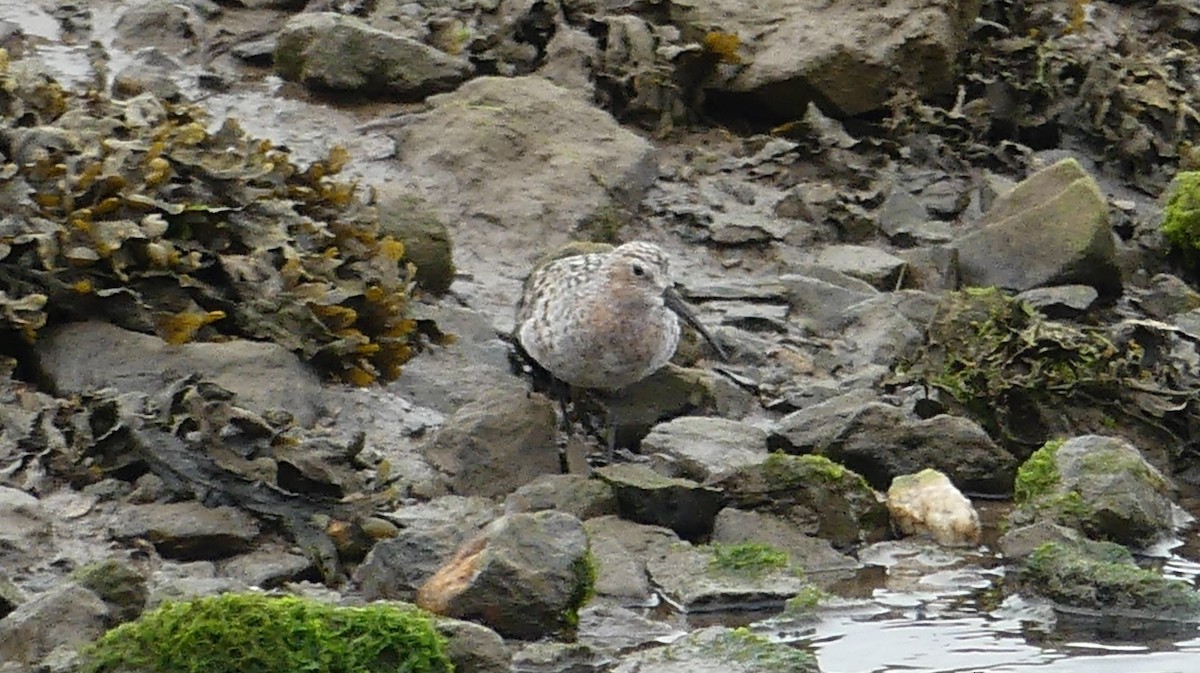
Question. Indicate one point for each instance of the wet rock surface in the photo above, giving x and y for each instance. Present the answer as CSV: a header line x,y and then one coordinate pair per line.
x,y
194,323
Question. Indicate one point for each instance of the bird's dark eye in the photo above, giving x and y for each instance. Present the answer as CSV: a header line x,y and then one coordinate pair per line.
x,y
638,270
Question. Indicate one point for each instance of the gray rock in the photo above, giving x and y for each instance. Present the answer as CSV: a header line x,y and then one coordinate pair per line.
x,y
757,290
614,629
824,498
185,581
331,52
187,530
882,442
393,429
446,377
816,427
647,497
118,584
525,575
1061,302
814,555
872,332
1052,229
719,649
1018,543
701,447
493,446
429,533
1106,488
751,317
574,494
268,568
621,549
1166,296
474,648
932,268
900,214
1102,577
63,618
674,391
169,26
848,54
496,157
25,526
545,657
80,357
570,56
690,578
878,268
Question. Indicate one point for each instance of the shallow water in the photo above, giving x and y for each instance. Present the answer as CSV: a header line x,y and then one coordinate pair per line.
x,y
938,617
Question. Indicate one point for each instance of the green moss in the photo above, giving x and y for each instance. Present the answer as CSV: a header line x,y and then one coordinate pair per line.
x,y
1119,462
243,633
808,600
747,558
1038,475
1181,217
1101,576
585,587
1000,358
783,471
742,646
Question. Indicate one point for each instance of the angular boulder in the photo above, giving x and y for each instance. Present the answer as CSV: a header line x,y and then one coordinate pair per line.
x,y
1051,229
525,576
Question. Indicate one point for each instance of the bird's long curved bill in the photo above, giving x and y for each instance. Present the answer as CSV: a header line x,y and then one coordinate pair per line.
x,y
675,302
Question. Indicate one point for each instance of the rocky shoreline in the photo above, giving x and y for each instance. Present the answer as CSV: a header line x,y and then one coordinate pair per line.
x,y
929,233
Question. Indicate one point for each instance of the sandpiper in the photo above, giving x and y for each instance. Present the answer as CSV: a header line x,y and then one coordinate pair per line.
x,y
604,320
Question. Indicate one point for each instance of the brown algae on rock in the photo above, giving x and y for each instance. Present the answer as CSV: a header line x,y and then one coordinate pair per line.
x,y
135,212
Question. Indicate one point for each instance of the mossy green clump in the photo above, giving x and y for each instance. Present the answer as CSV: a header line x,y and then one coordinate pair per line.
x,y
1000,358
244,633
1103,576
585,587
1038,475
1181,217
753,559
806,601
760,654
786,471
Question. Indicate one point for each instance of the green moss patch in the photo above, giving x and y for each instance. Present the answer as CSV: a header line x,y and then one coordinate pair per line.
x,y
1181,217
1103,576
1038,475
1003,361
760,654
748,558
250,633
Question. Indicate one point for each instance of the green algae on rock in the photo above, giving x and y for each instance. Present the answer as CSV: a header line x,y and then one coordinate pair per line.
x,y
747,558
812,489
135,212
233,633
1101,486
1102,576
1181,216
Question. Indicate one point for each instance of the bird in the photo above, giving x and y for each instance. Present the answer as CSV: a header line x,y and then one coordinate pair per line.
x,y
603,320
